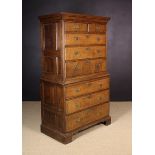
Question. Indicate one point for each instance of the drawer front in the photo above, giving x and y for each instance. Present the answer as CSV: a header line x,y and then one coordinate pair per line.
x,y
84,102
82,118
97,28
73,53
87,87
76,27
84,39
84,67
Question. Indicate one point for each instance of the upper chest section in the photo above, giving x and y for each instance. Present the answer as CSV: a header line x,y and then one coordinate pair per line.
x,y
73,29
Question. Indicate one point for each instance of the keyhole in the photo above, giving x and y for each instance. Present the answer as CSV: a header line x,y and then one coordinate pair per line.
x,y
98,51
76,38
98,39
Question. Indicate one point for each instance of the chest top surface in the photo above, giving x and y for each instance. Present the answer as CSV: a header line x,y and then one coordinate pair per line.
x,y
74,17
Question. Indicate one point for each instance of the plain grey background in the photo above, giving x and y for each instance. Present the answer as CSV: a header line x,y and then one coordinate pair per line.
x,y
119,46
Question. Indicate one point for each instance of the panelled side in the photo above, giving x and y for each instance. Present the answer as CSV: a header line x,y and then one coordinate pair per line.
x,y
52,105
51,42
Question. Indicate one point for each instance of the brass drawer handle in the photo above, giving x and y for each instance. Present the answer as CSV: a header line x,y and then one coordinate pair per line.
x,y
100,98
78,105
76,38
97,27
89,96
78,120
87,61
88,84
77,90
76,53
76,26
87,49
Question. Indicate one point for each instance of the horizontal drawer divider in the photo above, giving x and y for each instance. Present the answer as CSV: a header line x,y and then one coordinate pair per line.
x,y
72,80
85,74
70,98
87,108
81,45
103,75
74,60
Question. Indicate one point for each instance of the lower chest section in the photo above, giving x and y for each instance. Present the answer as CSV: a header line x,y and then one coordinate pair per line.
x,y
72,106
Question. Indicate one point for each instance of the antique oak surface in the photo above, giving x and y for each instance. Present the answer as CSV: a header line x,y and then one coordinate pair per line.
x,y
74,79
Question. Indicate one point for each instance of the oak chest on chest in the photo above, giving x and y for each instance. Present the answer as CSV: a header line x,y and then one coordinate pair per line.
x,y
74,78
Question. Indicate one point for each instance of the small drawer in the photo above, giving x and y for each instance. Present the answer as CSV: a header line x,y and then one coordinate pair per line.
x,y
76,27
82,118
85,39
73,53
84,67
81,103
87,87
97,28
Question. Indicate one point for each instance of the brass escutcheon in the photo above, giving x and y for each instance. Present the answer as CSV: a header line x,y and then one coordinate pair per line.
x,y
76,38
77,90
76,52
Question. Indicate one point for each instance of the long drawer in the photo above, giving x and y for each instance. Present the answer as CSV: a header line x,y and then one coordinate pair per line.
x,y
84,102
86,87
84,67
82,118
84,39
73,53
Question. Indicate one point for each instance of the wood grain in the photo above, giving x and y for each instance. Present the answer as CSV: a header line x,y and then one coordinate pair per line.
x,y
84,67
86,101
74,53
84,117
76,27
85,39
74,79
86,87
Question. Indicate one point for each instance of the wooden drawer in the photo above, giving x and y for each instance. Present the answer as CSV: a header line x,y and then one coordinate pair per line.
x,y
86,87
85,39
76,27
84,67
84,102
96,28
82,118
72,53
